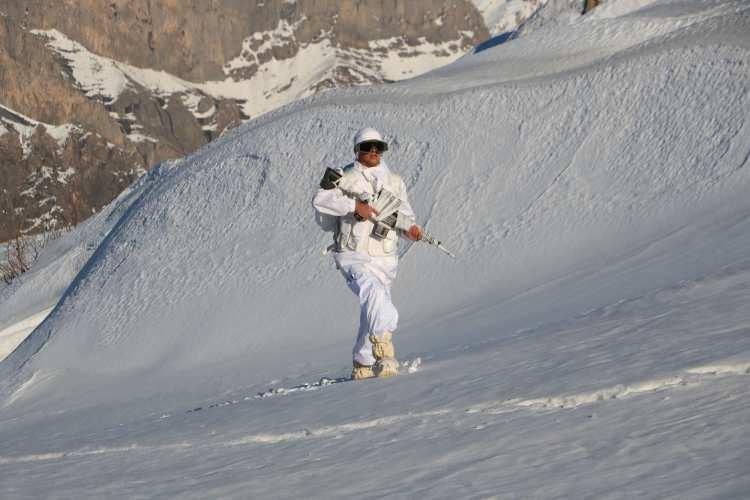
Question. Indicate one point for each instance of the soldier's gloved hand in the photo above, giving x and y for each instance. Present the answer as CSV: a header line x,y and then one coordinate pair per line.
x,y
414,233
364,211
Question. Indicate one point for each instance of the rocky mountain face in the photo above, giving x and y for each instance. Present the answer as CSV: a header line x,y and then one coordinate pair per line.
x,y
92,93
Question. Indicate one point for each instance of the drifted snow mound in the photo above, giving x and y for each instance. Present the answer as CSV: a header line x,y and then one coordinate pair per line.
x,y
555,155
27,300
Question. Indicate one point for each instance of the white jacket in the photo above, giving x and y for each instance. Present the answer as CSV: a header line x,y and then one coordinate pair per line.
x,y
353,235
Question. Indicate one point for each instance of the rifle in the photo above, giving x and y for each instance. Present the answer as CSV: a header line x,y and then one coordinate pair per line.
x,y
386,204
429,239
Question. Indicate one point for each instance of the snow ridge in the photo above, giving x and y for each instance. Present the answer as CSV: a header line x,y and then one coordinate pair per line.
x,y
692,377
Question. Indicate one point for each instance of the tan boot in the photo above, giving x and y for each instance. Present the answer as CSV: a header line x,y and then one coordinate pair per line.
x,y
385,356
361,371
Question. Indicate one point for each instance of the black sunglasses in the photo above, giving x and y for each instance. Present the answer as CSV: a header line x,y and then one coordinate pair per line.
x,y
367,146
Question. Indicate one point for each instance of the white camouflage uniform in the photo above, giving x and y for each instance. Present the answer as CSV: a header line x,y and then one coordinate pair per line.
x,y
369,265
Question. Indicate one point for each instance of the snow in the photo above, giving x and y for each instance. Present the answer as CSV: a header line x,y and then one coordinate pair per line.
x,y
62,133
59,261
501,16
138,137
413,61
263,41
25,127
44,173
106,79
276,82
206,114
263,92
13,335
192,101
59,176
589,341
98,76
610,9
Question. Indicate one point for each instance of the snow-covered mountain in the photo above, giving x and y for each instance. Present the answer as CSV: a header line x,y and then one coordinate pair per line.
x,y
103,91
590,340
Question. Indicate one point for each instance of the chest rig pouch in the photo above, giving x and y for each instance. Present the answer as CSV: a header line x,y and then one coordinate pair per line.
x,y
375,236
386,204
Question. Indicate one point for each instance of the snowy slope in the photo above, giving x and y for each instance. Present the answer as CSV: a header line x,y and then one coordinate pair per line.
x,y
590,340
30,298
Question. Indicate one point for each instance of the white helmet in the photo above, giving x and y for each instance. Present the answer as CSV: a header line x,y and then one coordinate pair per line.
x,y
368,134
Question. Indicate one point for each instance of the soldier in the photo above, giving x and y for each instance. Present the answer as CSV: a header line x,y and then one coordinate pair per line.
x,y
366,245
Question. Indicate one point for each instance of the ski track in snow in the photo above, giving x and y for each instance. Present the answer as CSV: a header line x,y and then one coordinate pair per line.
x,y
407,367
692,377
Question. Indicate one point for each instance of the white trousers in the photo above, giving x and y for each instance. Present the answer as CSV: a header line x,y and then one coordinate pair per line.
x,y
370,279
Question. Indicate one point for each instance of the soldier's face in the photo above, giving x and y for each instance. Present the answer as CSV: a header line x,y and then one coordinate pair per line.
x,y
369,158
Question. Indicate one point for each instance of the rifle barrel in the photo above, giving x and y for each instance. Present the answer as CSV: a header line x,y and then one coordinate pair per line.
x,y
428,238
